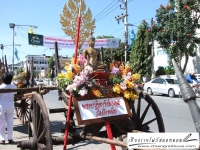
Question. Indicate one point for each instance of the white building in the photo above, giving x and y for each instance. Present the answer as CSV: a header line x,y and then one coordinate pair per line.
x,y
40,62
161,59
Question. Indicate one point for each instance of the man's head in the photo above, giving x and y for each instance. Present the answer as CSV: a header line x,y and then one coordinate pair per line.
x,y
192,72
7,78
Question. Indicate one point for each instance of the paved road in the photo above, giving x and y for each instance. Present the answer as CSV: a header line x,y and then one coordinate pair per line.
x,y
176,116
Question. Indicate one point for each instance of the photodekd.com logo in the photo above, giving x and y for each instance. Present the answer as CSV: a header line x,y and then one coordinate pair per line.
x,y
163,140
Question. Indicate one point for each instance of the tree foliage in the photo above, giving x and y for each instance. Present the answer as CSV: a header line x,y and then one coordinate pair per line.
x,y
176,29
113,54
51,68
141,50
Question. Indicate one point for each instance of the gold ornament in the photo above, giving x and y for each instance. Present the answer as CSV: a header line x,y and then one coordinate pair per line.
x,y
69,20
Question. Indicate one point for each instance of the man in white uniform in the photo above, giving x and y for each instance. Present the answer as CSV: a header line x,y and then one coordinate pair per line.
x,y
6,108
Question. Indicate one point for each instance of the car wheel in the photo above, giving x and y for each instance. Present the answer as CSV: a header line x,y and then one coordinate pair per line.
x,y
171,93
149,91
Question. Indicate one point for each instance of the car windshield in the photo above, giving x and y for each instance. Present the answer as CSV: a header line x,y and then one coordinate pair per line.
x,y
171,81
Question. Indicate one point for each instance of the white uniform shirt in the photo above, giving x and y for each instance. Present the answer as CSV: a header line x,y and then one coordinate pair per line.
x,y
7,99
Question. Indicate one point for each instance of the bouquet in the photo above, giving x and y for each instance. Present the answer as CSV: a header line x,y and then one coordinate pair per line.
x,y
20,78
123,81
79,79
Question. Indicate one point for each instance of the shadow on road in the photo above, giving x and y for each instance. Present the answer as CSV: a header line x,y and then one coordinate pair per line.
x,y
56,127
21,128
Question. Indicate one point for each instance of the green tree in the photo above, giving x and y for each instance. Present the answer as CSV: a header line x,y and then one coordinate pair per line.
x,y
160,71
51,68
113,54
176,28
141,50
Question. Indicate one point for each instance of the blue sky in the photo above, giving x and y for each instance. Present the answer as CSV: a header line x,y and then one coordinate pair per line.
x,y
45,15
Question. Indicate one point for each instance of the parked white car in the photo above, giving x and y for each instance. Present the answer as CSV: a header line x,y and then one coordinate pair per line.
x,y
162,86
39,82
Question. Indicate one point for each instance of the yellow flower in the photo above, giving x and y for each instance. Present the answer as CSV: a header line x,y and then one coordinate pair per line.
x,y
69,75
19,85
72,60
77,69
117,89
111,76
129,84
97,93
135,77
127,94
133,96
121,68
61,75
23,74
67,63
66,67
127,69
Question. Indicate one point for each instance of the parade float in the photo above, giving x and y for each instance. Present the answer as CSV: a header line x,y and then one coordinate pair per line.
x,y
88,90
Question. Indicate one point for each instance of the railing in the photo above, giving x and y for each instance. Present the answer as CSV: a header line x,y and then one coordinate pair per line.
x,y
174,76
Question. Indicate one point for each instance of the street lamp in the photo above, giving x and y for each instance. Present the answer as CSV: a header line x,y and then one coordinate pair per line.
x,y
2,47
12,25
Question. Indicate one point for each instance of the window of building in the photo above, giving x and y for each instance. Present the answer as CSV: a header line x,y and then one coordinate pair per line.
x,y
34,68
35,62
161,52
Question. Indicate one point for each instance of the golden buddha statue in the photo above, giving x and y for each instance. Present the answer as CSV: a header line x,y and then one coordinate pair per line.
x,y
92,56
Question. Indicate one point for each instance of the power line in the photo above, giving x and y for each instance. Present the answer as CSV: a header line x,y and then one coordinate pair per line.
x,y
133,25
108,13
103,10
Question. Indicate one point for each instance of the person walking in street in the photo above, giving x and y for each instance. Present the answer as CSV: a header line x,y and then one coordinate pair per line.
x,y
6,108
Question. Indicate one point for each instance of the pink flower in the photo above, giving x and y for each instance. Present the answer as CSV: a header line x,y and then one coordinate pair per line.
x,y
71,87
81,59
115,70
123,86
90,84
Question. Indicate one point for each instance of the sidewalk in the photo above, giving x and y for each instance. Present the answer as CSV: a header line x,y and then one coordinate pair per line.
x,y
57,122
20,132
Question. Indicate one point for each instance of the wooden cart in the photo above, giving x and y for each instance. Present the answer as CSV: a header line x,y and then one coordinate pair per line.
x,y
31,109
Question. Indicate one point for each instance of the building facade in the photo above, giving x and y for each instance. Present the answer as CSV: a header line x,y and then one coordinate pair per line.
x,y
40,63
161,59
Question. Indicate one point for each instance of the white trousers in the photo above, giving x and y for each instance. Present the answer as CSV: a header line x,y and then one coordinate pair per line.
x,y
6,117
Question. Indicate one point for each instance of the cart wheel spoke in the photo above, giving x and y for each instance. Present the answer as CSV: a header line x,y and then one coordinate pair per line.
x,y
138,109
42,136
150,121
144,113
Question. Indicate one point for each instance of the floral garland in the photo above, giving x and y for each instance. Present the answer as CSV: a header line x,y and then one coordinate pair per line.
x,y
20,78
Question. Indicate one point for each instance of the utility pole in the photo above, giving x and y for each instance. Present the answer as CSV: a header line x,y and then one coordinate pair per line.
x,y
152,54
124,18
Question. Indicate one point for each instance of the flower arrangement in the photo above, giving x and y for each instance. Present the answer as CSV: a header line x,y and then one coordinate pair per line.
x,y
19,79
123,81
79,79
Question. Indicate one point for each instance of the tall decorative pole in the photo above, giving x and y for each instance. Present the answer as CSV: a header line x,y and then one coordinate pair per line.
x,y
75,60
